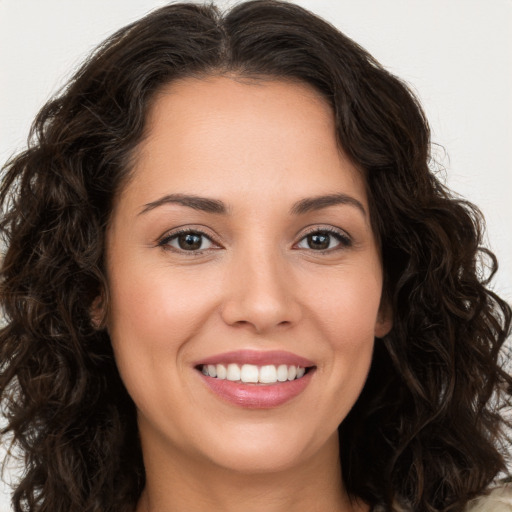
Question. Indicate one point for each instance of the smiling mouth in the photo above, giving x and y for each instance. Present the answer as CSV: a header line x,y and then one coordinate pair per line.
x,y
254,374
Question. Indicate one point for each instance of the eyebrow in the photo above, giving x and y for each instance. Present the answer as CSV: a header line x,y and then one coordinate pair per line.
x,y
216,206
196,202
309,204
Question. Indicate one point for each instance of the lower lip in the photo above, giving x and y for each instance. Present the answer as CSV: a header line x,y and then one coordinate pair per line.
x,y
257,396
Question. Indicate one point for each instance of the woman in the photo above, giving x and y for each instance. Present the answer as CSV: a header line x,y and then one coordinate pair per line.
x,y
232,281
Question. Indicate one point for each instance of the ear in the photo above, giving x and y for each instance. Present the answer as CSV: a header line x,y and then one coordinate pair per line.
x,y
384,322
98,312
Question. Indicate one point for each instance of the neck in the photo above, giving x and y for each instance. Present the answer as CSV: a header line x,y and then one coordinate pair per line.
x,y
176,482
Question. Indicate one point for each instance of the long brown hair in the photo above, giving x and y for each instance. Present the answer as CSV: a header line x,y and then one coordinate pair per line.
x,y
426,433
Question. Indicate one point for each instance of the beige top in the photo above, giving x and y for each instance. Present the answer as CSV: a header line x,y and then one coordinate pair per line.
x,y
499,500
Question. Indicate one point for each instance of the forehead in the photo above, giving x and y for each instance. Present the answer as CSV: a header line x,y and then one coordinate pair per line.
x,y
220,135
216,93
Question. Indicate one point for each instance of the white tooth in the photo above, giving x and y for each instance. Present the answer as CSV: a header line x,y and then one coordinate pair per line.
x,y
268,374
212,371
204,369
221,371
300,372
292,372
282,373
233,372
249,373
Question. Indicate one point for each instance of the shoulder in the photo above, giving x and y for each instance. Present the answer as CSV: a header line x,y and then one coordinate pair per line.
x,y
498,500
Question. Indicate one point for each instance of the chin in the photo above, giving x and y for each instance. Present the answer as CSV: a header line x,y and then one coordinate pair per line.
x,y
269,451
249,462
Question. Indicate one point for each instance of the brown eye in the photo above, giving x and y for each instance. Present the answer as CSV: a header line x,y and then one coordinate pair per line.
x,y
188,241
319,241
323,240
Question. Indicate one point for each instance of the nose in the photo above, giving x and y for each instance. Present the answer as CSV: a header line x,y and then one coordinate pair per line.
x,y
260,293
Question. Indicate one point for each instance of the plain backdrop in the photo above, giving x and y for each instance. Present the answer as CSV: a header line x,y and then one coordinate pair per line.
x,y
455,54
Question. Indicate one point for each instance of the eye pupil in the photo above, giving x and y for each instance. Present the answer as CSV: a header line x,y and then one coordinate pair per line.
x,y
319,241
189,241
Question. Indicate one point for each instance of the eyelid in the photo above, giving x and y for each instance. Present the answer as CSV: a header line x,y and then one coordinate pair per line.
x,y
345,240
163,241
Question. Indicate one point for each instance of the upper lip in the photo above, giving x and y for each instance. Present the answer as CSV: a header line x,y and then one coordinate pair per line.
x,y
257,357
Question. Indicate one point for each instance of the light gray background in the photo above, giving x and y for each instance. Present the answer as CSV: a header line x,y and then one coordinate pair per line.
x,y
456,54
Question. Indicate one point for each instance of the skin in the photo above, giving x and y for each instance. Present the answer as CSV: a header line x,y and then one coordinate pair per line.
x,y
257,284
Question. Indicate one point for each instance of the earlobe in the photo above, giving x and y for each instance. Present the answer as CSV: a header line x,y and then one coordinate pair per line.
x,y
384,322
97,312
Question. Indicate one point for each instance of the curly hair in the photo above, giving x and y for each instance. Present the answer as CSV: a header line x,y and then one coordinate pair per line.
x,y
425,435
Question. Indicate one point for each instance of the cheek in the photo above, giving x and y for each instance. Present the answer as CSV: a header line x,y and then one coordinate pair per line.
x,y
346,312
153,316
159,305
347,304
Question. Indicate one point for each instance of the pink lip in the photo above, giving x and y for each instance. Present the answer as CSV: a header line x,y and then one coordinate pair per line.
x,y
257,396
258,358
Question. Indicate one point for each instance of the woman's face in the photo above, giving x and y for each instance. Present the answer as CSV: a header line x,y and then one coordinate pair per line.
x,y
242,248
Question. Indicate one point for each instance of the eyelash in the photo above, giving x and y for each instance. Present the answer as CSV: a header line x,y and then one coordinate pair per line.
x,y
344,240
164,242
